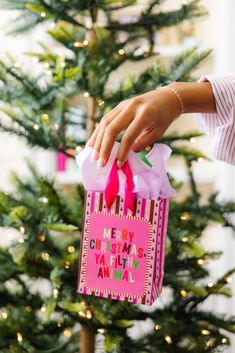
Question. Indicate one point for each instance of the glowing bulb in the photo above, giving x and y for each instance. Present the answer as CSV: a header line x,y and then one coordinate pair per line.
x,y
86,94
205,332
21,240
36,126
78,149
85,42
22,230
67,264
88,314
71,249
228,279
67,333
59,324
81,313
28,309
4,315
224,340
200,262
192,140
121,51
185,216
19,337
100,103
52,25
55,293
183,293
210,285
184,239
43,309
63,64
78,44
101,330
200,160
43,14
158,327
168,339
45,256
41,237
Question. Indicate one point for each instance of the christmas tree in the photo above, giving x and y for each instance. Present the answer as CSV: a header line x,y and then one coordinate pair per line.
x,y
40,108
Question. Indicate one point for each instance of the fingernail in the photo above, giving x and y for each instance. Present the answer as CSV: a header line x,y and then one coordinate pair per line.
x,y
101,163
119,164
94,156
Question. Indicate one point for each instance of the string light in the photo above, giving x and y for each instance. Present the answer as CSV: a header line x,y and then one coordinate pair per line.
x,y
168,339
101,330
67,333
192,140
184,239
45,256
85,42
210,285
121,51
88,314
43,309
200,262
78,44
55,293
59,324
86,94
209,343
71,249
67,264
185,216
228,279
63,64
200,160
36,126
100,102
19,337
45,118
22,230
81,313
41,237
78,149
43,199
28,309
183,293
224,340
205,332
43,14
21,240
52,25
4,315
158,327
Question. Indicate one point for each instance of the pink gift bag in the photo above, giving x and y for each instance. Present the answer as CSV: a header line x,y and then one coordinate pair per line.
x,y
123,243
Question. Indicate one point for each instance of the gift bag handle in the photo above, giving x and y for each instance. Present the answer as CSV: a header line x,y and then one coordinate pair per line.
x,y
112,186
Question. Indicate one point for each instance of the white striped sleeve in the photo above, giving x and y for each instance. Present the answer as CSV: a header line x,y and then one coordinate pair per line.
x,y
220,126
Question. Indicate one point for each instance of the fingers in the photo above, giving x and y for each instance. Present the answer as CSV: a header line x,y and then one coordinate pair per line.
x,y
110,115
144,140
131,134
110,133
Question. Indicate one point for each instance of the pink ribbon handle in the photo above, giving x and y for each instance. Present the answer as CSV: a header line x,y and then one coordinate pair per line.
x,y
112,186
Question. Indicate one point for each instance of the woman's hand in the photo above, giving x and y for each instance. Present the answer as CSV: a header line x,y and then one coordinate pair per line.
x,y
144,118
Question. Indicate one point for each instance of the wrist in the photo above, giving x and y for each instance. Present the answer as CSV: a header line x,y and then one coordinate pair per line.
x,y
196,97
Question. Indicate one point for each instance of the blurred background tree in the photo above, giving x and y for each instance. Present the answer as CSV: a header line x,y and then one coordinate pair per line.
x,y
94,41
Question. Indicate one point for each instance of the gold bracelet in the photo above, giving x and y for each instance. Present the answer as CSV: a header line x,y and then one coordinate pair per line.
x,y
173,90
